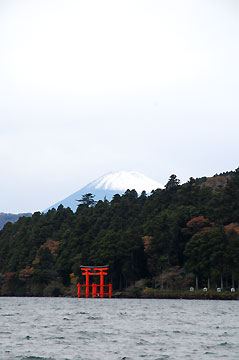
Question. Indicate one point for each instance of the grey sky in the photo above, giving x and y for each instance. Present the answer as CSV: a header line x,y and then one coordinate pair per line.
x,y
89,87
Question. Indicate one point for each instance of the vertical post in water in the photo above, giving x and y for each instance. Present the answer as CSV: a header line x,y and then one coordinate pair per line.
x,y
101,284
87,284
110,290
93,290
78,292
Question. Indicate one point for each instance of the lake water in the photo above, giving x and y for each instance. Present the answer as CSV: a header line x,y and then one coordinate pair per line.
x,y
88,329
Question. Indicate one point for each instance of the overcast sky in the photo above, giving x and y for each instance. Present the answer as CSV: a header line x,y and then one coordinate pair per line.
x,y
88,87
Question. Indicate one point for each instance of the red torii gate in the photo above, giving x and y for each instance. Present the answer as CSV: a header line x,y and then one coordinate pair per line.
x,y
94,270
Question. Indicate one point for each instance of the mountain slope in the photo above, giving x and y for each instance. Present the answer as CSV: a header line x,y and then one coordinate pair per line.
x,y
4,218
110,184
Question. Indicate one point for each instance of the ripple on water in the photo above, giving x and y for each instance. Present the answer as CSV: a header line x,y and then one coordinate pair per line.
x,y
94,318
35,358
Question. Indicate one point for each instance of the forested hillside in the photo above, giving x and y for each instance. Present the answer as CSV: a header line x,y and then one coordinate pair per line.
x,y
4,218
170,238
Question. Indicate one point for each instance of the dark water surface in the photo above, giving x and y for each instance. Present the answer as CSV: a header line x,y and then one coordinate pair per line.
x,y
65,328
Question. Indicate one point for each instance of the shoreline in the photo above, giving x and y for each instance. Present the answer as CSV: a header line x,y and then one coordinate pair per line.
x,y
149,293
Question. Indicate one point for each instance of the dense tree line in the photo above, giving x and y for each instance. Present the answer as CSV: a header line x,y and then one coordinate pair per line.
x,y
190,229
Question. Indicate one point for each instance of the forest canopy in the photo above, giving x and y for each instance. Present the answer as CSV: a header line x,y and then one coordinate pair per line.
x,y
187,232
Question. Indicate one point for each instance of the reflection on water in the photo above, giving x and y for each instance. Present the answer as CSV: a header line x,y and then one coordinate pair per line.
x,y
65,328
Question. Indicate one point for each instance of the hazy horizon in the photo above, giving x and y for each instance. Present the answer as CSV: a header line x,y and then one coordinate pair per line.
x,y
93,87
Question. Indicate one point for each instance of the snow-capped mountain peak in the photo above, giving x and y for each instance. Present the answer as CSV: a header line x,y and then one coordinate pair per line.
x,y
124,180
110,184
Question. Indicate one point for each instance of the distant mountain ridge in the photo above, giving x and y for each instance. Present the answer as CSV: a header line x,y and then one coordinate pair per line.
x,y
6,217
110,184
